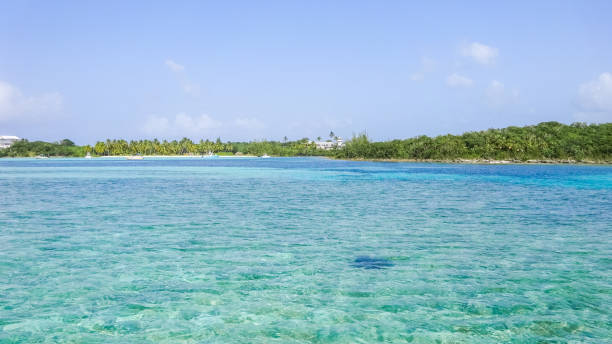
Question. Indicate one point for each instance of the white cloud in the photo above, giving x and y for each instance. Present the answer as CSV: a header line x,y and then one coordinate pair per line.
x,y
175,67
496,87
595,100
481,53
456,80
15,105
181,125
597,94
187,85
204,125
197,124
497,94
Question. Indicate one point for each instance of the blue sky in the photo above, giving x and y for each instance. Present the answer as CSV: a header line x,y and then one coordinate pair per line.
x,y
247,70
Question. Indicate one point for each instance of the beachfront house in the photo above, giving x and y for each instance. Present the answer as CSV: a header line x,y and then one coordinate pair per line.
x,y
6,141
331,144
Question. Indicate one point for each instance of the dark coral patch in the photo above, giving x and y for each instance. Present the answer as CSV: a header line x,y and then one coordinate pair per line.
x,y
367,262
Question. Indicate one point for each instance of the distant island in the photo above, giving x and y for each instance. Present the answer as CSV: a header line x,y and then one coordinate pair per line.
x,y
545,142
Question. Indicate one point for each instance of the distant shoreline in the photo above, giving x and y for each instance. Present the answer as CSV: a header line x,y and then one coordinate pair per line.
x,y
443,161
544,143
486,161
126,156
177,156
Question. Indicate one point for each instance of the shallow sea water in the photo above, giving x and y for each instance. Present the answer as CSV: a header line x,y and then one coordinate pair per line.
x,y
301,250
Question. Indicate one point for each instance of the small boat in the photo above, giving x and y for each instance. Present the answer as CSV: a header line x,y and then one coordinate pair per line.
x,y
210,155
265,156
42,157
135,157
88,156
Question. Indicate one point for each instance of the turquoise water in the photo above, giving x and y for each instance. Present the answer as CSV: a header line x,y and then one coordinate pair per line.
x,y
292,250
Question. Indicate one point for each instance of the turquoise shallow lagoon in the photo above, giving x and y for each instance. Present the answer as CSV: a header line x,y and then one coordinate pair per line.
x,y
271,251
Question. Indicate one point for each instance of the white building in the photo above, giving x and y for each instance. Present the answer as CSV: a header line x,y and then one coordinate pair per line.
x,y
7,141
327,145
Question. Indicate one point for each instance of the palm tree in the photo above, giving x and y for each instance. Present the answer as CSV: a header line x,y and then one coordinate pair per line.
x,y
99,148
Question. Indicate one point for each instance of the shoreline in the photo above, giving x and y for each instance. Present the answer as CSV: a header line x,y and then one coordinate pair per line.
x,y
487,161
126,156
441,161
176,156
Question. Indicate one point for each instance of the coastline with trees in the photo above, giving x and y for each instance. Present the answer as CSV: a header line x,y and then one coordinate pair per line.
x,y
544,142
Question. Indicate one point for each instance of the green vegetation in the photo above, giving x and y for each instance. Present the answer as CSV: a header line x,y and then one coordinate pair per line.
x,y
186,146
301,147
545,141
24,148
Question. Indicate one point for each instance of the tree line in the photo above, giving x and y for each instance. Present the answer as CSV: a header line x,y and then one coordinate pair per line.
x,y
545,141
186,146
25,148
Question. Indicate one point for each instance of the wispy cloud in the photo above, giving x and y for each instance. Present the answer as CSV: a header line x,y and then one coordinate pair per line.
x,y
181,125
498,95
456,80
187,85
197,126
597,94
14,105
595,99
175,67
480,53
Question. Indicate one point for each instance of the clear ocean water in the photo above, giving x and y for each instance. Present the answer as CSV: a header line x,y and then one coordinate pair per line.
x,y
301,250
